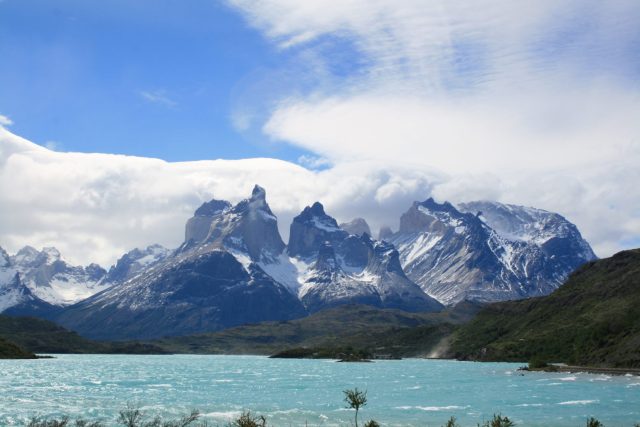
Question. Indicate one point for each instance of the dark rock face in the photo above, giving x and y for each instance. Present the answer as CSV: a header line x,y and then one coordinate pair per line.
x,y
207,292
249,227
456,254
311,229
357,226
198,226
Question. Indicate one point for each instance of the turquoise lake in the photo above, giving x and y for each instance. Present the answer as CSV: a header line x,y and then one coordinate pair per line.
x,y
412,392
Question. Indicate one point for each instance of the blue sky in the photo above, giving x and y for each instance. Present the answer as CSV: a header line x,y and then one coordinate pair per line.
x,y
145,78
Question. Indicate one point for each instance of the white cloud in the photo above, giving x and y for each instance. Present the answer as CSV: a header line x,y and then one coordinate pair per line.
x,y
158,96
5,121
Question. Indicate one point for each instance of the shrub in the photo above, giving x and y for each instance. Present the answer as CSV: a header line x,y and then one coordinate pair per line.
x,y
451,423
537,362
592,422
63,422
498,421
371,423
248,420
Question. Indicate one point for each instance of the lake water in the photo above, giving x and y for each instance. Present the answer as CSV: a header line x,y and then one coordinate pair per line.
x,y
294,392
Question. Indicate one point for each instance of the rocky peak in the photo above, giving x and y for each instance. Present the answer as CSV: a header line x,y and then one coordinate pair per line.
x,y
431,216
5,260
385,232
258,193
26,256
384,257
135,261
197,227
311,229
95,272
357,226
212,208
249,227
326,260
50,255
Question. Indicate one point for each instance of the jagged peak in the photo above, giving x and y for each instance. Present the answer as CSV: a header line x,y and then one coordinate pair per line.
x,y
316,217
5,260
28,250
385,232
356,226
432,205
257,202
315,210
258,193
326,258
53,254
212,208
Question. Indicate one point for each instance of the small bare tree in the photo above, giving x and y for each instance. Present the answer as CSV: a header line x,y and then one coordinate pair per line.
x,y
355,399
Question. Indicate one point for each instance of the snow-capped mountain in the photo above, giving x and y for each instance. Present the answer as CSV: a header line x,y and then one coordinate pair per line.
x,y
44,281
213,281
46,278
487,251
234,268
134,262
335,267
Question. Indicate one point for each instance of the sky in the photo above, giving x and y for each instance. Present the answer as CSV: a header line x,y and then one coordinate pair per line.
x,y
119,118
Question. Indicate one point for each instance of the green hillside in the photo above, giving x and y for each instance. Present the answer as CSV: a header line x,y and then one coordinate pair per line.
x,y
43,336
9,350
385,331
594,320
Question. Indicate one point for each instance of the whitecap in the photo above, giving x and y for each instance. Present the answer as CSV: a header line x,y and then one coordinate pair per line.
x,y
431,408
571,378
577,402
526,405
223,414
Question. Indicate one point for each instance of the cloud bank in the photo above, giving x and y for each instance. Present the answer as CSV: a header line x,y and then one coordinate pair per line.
x,y
94,207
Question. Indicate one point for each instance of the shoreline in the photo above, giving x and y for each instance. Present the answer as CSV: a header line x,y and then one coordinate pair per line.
x,y
585,369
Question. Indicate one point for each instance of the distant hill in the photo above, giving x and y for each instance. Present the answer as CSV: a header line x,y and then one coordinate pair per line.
x,y
387,331
43,336
594,319
9,350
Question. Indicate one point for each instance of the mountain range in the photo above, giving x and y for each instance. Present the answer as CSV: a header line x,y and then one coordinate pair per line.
x,y
234,268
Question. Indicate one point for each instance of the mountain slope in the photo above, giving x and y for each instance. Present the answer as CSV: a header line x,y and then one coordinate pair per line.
x,y
456,254
594,319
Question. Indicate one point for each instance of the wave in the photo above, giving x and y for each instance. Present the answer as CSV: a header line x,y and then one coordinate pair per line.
x,y
578,402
